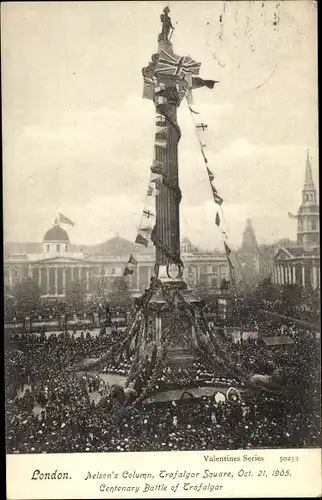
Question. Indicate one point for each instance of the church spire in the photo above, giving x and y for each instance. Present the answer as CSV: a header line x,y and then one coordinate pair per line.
x,y
308,182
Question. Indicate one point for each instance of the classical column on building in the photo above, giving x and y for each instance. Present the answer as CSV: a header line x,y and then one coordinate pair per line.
x,y
56,280
280,271
303,276
294,274
282,274
64,280
48,284
138,277
290,275
276,274
314,277
72,273
87,279
39,276
79,273
10,279
286,274
318,275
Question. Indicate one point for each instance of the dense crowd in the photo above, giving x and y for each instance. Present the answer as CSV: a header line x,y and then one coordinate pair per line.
x,y
304,312
64,411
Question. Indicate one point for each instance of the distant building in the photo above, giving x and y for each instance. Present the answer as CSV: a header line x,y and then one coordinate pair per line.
x,y
300,264
248,255
55,263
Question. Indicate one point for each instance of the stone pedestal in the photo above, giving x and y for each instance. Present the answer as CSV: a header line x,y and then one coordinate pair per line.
x,y
162,301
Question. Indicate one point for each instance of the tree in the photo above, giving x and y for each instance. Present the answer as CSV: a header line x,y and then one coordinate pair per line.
x,y
75,295
119,294
27,295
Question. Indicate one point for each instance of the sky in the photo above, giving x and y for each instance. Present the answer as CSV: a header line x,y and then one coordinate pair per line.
x,y
78,137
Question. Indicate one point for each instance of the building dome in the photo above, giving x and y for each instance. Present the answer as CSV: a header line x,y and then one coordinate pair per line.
x,y
56,234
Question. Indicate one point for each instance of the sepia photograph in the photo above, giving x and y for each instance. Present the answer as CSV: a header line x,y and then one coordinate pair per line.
x,y
161,227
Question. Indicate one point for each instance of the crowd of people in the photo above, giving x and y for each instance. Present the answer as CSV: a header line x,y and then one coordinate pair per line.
x,y
301,312
51,408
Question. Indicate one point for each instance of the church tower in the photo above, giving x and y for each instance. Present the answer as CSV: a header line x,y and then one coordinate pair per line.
x,y
248,253
308,213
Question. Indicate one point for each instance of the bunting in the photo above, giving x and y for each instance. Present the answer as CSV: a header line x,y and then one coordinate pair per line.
x,y
160,119
152,191
146,230
159,88
203,126
230,264
194,112
157,167
217,198
141,240
161,129
148,90
148,214
195,82
159,100
210,174
227,249
155,177
161,143
129,268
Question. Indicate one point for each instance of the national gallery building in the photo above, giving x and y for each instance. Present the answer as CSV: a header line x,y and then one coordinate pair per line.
x,y
55,263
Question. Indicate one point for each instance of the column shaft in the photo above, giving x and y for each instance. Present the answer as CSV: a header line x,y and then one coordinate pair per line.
x,y
64,280
314,276
290,275
138,277
87,279
48,284
56,280
167,203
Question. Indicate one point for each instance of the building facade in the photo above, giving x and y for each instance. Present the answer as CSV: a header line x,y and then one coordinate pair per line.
x,y
57,264
300,264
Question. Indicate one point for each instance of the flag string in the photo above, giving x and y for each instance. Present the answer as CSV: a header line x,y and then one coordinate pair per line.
x,y
219,201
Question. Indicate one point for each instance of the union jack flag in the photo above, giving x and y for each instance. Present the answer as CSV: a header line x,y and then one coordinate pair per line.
x,y
148,88
169,64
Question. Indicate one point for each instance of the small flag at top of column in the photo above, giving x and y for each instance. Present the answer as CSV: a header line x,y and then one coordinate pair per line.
x,y
62,219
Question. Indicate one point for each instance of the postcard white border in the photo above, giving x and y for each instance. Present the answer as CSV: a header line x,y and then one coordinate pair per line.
x,y
240,474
